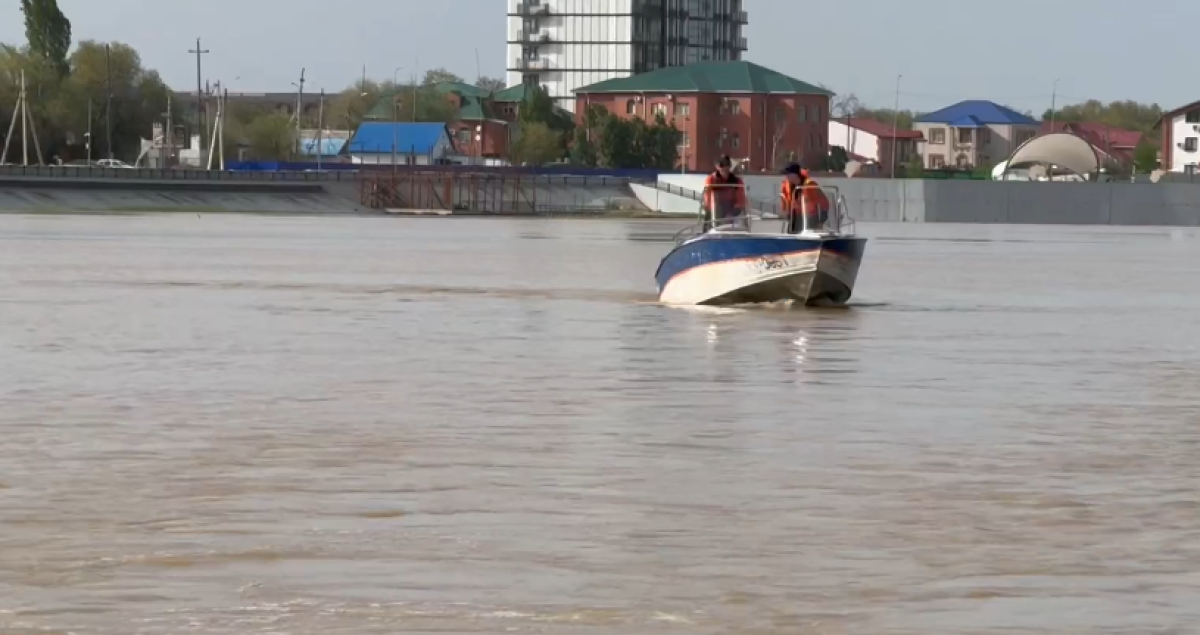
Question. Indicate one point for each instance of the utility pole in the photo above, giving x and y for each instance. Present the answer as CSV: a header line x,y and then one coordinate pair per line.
x,y
108,106
24,107
895,124
1053,102
169,133
89,133
224,108
201,118
299,111
320,128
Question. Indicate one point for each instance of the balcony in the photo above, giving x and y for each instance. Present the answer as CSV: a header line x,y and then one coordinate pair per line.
x,y
741,44
537,64
741,17
530,10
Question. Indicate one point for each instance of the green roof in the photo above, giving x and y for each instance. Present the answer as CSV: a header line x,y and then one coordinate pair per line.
x,y
511,94
708,77
383,108
466,90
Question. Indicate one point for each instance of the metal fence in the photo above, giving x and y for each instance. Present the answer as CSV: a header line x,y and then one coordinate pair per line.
x,y
167,174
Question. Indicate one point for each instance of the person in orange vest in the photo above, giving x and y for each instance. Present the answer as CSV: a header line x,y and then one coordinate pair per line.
x,y
724,194
802,196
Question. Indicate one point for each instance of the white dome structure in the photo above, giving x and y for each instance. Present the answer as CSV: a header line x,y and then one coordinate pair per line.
x,y
1053,151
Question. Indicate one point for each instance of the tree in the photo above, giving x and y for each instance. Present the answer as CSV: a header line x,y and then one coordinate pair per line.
x,y
777,135
612,142
421,103
537,144
902,120
1145,156
491,84
585,148
441,76
1127,114
139,96
657,144
838,159
270,138
48,33
846,106
349,107
583,151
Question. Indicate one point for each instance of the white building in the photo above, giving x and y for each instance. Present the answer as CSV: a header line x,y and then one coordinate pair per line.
x,y
1181,139
566,44
871,142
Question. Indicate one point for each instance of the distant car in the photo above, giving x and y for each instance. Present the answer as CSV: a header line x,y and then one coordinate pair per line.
x,y
112,163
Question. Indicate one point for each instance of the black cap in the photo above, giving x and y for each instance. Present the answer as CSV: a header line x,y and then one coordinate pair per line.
x,y
724,161
792,168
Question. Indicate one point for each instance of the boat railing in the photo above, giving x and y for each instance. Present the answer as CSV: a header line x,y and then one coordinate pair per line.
x,y
835,220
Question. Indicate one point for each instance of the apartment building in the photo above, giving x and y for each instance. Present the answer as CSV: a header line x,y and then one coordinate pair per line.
x,y
972,134
566,44
1181,139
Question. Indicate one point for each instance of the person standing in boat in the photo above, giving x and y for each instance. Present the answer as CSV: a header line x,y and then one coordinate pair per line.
x,y
724,195
802,196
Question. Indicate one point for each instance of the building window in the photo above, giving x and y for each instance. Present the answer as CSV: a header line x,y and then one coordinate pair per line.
x,y
814,113
736,142
683,110
985,135
964,135
464,135
630,107
937,136
937,160
658,109
1189,144
731,107
1192,117
801,113
685,140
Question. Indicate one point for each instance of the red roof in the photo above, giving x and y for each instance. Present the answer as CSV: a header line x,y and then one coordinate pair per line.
x,y
878,128
1115,142
1171,114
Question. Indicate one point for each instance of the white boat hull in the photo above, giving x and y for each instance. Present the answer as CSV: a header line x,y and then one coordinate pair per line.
x,y
761,269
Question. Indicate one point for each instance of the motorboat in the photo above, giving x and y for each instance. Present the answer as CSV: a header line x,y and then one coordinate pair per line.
x,y
755,258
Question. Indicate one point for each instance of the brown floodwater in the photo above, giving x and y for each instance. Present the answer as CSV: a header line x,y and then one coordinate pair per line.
x,y
234,424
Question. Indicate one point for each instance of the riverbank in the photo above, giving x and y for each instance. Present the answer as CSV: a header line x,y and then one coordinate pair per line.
x,y
71,190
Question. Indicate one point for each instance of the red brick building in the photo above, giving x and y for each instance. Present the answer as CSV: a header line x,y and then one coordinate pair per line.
x,y
737,108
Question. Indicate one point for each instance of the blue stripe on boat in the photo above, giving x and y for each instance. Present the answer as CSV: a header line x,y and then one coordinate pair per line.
x,y
714,248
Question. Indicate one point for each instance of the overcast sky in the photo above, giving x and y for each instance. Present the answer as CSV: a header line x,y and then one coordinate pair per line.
x,y
1009,51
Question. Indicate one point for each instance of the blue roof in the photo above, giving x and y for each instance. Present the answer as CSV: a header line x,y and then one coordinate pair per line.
x,y
967,122
380,136
329,147
977,112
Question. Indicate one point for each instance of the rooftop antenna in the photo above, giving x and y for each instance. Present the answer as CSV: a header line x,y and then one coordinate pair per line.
x,y
478,73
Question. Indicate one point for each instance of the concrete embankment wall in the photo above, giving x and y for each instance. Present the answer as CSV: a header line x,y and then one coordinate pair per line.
x,y
903,200
67,194
69,189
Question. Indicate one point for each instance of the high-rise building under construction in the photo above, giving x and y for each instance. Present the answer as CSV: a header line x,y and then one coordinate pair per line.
x,y
566,44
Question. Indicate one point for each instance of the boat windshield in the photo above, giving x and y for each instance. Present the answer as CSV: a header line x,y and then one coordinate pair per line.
x,y
716,214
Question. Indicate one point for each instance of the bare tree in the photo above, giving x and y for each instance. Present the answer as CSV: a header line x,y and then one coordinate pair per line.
x,y
781,126
845,107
